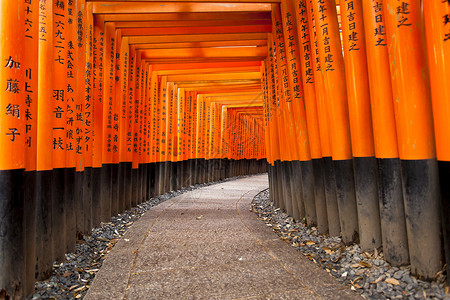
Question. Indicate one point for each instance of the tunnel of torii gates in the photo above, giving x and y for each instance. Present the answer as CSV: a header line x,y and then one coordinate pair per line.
x,y
104,104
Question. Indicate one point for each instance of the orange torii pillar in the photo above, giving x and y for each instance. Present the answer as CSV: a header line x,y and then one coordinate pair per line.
x,y
193,131
186,145
184,110
327,169
59,85
200,139
191,138
304,167
292,191
180,136
153,102
97,127
284,188
144,113
115,180
163,171
208,138
140,80
287,101
231,136
30,64
211,141
364,162
136,96
108,121
437,26
392,215
267,127
78,112
223,143
174,157
124,125
171,115
405,34
332,65
88,115
308,80
131,77
273,129
277,119
148,156
71,93
218,130
12,141
44,144
186,163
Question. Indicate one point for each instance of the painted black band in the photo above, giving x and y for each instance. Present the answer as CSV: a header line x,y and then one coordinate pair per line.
x,y
423,215
12,233
345,195
366,188
319,195
392,212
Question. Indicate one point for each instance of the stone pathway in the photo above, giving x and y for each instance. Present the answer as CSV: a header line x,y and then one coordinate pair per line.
x,y
206,244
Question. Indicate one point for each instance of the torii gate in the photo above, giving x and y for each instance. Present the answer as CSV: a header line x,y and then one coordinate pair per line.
x,y
105,103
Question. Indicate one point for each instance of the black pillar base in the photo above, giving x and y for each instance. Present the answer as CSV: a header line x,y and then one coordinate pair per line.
x,y
71,227
366,188
319,195
87,200
106,198
96,179
392,212
444,177
345,194
44,216
334,225
12,234
423,215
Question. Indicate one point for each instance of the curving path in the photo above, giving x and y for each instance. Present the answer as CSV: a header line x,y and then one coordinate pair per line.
x,y
206,244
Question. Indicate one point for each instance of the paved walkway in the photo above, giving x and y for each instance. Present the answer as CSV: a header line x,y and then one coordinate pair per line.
x,y
206,244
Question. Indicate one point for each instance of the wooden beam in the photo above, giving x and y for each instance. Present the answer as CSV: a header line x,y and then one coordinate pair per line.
x,y
190,23
233,93
133,7
202,44
196,30
215,77
179,38
231,88
243,105
228,90
209,1
186,16
183,16
209,71
205,65
154,61
254,97
240,52
219,84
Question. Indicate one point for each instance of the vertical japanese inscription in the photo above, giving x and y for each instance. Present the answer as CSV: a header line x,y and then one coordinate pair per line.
x,y
446,22
380,30
329,61
305,43
59,83
71,95
30,80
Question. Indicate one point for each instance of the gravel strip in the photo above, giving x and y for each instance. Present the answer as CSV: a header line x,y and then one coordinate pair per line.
x,y
364,272
71,279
